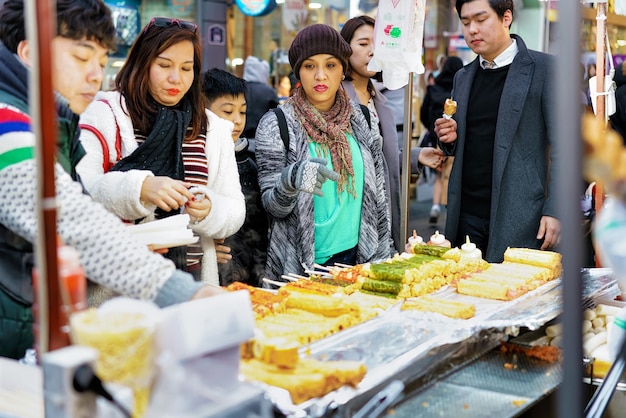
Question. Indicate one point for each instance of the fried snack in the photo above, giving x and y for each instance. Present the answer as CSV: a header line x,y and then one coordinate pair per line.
x,y
263,302
331,306
388,287
431,250
449,108
450,308
488,290
309,286
279,351
309,379
304,327
371,305
547,259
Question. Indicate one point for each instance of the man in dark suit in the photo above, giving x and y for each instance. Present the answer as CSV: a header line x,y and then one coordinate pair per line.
x,y
502,185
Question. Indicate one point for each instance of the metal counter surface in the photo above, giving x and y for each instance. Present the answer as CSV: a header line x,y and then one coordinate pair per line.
x,y
485,388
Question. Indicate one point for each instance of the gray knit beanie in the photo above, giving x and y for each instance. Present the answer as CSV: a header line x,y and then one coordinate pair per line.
x,y
318,39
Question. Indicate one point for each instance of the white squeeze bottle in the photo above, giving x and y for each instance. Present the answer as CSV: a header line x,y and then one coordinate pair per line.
x,y
469,250
616,333
414,239
439,240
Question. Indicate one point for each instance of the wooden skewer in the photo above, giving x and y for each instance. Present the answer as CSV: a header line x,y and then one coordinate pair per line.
x,y
320,267
298,277
347,266
318,273
291,279
274,282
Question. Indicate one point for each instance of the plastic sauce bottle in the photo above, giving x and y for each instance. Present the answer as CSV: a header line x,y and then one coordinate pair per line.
x,y
469,250
439,240
414,239
73,286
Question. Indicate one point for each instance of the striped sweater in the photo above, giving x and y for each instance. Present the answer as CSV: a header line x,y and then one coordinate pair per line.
x,y
292,230
120,191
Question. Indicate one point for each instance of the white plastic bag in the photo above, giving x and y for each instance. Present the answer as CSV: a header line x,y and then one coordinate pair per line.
x,y
398,38
609,93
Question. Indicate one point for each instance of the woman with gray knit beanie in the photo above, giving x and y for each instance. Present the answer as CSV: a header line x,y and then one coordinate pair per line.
x,y
323,184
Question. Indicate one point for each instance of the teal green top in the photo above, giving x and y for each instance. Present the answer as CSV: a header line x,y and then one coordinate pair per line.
x,y
337,216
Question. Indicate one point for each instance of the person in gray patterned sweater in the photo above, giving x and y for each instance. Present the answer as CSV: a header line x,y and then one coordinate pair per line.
x,y
313,220
107,250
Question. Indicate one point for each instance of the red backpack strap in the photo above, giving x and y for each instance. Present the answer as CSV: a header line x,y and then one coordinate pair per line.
x,y
118,136
106,163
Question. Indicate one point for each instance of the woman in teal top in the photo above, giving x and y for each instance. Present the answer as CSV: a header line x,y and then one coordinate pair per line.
x,y
347,218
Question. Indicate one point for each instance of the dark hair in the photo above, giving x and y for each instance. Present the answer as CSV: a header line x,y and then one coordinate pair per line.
x,y
218,83
76,19
133,79
449,69
498,6
347,33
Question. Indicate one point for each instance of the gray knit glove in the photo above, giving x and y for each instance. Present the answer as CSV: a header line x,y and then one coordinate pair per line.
x,y
307,175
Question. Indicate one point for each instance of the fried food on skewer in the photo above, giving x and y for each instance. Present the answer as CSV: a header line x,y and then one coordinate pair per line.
x,y
449,108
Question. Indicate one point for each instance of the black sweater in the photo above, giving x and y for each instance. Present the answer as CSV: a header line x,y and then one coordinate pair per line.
x,y
482,116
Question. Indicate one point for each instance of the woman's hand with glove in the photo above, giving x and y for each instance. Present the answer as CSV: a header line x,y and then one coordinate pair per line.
x,y
307,176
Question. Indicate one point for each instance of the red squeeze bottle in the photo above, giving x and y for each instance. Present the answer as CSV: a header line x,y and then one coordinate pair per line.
x,y
73,286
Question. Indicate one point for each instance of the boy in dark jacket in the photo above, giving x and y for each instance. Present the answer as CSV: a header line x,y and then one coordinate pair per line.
x,y
242,256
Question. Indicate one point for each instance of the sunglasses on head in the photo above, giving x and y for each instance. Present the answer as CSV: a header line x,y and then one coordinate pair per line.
x,y
163,22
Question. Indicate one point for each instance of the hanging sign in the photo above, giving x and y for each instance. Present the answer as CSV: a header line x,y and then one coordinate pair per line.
x,y
256,7
398,36
216,35
295,13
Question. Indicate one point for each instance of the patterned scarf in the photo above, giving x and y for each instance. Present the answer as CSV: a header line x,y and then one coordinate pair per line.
x,y
328,131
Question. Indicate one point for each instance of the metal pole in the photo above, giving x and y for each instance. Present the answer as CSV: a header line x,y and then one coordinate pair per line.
x,y
569,184
406,159
41,28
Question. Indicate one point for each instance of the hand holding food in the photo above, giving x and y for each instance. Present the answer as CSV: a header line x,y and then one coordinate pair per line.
x,y
445,129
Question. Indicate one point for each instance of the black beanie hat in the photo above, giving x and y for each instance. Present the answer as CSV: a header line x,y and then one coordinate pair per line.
x,y
318,39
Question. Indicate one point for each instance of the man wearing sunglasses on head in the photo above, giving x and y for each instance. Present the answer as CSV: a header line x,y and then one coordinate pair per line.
x,y
109,254
176,156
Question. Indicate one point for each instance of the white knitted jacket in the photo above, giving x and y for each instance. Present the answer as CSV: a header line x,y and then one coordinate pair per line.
x,y
119,192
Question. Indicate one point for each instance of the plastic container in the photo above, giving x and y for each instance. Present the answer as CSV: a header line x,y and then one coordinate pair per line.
x,y
469,250
439,240
73,289
414,239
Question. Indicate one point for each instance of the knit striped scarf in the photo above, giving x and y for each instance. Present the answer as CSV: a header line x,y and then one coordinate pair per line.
x,y
328,131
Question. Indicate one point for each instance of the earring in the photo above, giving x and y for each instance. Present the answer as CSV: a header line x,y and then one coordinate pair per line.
x,y
343,77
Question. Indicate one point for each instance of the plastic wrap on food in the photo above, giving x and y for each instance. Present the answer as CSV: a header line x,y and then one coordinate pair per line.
x,y
409,344
599,283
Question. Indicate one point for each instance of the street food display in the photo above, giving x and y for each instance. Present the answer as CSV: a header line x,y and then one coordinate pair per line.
x,y
450,308
298,322
308,378
341,333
